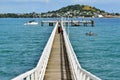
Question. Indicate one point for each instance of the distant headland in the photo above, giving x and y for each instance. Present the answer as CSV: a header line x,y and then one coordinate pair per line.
x,y
73,11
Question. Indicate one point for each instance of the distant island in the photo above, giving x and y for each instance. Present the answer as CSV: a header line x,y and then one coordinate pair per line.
x,y
73,11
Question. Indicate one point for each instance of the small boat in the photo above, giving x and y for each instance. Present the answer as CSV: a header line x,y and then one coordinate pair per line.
x,y
32,22
90,34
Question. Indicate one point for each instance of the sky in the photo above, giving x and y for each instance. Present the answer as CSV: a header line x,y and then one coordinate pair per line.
x,y
39,6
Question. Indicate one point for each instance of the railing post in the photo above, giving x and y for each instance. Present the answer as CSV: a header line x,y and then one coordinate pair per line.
x,y
28,77
88,78
32,76
84,76
36,75
80,75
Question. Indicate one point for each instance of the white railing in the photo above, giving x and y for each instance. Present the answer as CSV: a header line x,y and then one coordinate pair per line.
x,y
39,71
78,72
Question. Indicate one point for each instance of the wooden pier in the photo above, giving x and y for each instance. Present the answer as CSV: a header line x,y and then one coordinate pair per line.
x,y
58,61
71,22
58,65
49,22
84,23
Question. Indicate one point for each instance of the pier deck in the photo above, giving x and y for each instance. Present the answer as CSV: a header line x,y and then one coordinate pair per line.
x,y
58,65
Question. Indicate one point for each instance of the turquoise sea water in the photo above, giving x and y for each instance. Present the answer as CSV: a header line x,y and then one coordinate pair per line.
x,y
99,54
21,47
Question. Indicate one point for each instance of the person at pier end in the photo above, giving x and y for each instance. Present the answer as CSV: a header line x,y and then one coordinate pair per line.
x,y
61,31
59,25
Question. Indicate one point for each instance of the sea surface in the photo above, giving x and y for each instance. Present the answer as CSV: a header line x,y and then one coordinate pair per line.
x,y
21,46
99,54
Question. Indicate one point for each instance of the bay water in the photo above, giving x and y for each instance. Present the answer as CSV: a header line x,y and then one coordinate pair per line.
x,y
21,46
100,53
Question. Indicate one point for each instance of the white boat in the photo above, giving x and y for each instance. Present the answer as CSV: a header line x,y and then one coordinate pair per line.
x,y
32,22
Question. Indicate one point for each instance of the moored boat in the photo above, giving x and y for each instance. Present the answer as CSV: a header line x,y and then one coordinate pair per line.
x,y
32,22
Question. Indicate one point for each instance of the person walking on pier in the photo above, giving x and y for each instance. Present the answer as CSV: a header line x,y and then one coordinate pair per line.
x,y
61,31
59,27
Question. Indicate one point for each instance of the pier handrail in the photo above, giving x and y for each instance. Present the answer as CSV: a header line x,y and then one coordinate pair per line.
x,y
38,72
78,72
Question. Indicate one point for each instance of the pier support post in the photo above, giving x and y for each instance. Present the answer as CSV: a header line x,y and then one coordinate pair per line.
x,y
42,23
79,23
85,23
50,24
66,23
92,23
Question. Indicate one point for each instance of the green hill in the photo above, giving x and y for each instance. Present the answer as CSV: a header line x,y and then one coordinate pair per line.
x,y
71,11
75,11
